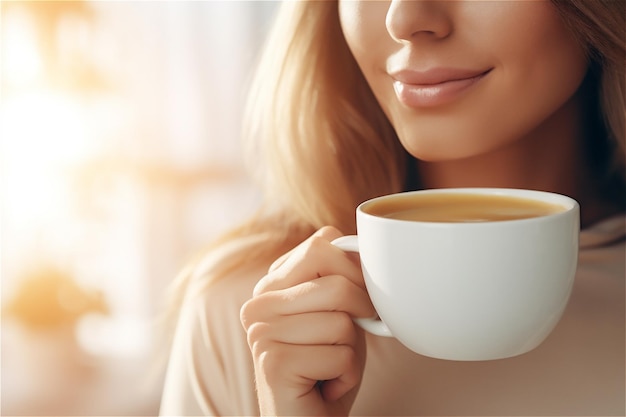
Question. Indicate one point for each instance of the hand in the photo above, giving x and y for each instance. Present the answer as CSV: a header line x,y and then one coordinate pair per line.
x,y
308,354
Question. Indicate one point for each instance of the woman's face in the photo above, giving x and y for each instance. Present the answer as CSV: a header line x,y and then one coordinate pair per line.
x,y
462,78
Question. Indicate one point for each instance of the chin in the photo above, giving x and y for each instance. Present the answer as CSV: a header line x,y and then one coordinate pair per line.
x,y
438,153
447,148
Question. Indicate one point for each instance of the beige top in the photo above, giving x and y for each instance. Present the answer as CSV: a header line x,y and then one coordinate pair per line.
x,y
578,370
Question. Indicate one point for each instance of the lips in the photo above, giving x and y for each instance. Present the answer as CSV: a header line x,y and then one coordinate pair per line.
x,y
435,87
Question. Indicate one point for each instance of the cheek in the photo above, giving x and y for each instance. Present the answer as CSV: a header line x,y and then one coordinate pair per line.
x,y
363,26
365,32
541,66
351,14
538,67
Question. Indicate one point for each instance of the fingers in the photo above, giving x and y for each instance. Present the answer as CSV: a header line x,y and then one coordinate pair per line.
x,y
315,313
315,257
319,328
328,232
328,293
299,369
308,353
311,348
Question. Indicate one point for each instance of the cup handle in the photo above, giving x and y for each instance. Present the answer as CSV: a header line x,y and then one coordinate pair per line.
x,y
373,325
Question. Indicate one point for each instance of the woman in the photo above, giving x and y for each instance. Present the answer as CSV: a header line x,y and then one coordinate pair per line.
x,y
357,99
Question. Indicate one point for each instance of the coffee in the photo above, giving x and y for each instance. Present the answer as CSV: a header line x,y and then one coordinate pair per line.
x,y
454,290
460,208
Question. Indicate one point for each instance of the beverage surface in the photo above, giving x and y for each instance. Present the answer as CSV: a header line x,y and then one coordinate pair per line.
x,y
460,208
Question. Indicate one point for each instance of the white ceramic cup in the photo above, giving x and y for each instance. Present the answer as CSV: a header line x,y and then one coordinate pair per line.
x,y
468,291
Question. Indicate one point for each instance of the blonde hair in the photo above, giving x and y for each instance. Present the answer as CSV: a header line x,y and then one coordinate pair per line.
x,y
322,144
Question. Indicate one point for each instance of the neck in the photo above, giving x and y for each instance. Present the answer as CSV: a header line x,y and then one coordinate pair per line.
x,y
551,158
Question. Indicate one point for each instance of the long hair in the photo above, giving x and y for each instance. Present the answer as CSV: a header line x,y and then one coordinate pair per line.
x,y
320,143
600,26
325,144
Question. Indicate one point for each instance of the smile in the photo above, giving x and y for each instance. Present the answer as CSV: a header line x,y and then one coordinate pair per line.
x,y
434,88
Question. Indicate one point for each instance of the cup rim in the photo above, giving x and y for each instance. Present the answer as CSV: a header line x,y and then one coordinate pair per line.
x,y
568,203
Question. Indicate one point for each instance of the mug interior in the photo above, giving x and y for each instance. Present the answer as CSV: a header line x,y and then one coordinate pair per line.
x,y
467,205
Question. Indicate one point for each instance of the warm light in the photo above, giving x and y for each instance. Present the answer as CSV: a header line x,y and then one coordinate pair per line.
x,y
43,133
44,127
119,336
21,62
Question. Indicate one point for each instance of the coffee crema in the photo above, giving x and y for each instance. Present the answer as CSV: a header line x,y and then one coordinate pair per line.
x,y
460,208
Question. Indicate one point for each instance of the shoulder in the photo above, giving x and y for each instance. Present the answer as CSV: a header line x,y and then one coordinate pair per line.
x,y
210,371
226,276
224,280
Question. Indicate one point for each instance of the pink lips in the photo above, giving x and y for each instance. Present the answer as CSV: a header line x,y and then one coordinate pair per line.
x,y
434,87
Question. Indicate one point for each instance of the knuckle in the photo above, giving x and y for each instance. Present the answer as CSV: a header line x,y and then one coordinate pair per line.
x,y
322,238
346,356
244,314
249,312
315,244
343,290
274,266
329,232
257,337
344,327
262,285
311,250
271,362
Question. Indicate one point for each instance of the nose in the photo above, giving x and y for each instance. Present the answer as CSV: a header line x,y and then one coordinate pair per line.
x,y
408,20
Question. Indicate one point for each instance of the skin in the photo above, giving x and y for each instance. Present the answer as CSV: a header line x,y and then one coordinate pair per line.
x,y
519,126
300,330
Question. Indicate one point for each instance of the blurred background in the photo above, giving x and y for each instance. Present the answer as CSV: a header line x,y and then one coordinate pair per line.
x,y
120,159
